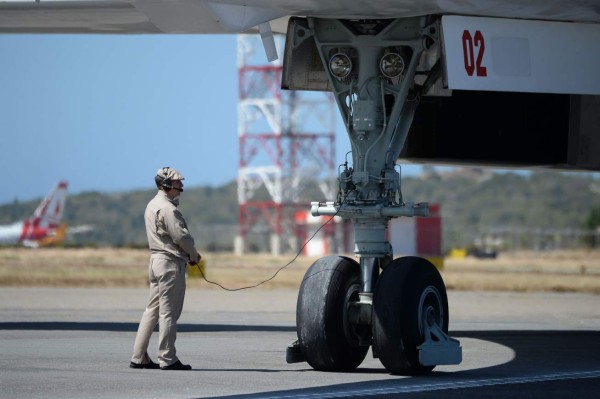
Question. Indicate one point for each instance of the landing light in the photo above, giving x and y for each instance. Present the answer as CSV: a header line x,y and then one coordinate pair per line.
x,y
340,65
391,65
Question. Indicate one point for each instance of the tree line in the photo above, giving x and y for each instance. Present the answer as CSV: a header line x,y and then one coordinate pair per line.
x,y
473,202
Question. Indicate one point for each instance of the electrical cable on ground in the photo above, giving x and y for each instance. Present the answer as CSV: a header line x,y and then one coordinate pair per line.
x,y
278,270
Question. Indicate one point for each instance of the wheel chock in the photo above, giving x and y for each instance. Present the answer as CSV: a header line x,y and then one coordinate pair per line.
x,y
293,353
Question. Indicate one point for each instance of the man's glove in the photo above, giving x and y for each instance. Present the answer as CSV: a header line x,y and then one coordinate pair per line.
x,y
201,265
199,258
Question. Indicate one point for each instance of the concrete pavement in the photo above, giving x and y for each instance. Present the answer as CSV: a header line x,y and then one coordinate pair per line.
x,y
76,343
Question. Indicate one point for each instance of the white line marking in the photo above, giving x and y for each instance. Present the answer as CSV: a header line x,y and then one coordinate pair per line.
x,y
441,386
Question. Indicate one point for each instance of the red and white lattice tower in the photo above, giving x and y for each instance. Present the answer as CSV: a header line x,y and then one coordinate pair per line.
x,y
287,143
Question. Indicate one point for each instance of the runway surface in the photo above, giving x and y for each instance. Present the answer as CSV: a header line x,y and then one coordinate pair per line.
x,y
76,343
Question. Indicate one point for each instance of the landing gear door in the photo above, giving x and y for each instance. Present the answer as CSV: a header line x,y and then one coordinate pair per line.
x,y
494,54
302,65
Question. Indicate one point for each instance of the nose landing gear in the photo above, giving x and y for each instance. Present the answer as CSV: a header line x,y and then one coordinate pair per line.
x,y
345,306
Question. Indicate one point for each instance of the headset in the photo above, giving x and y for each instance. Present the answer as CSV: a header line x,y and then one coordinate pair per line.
x,y
166,182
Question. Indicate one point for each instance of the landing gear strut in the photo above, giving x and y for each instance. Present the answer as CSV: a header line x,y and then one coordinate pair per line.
x,y
377,70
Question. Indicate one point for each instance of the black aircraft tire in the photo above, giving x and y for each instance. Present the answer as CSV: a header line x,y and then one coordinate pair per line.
x,y
324,335
405,287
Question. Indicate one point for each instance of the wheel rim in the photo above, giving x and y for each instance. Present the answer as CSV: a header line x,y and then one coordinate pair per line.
x,y
349,329
430,308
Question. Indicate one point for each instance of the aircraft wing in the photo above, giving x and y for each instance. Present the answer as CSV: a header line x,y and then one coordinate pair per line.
x,y
115,16
543,51
234,16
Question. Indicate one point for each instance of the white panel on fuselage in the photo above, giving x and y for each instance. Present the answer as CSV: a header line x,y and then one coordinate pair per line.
x,y
495,54
10,234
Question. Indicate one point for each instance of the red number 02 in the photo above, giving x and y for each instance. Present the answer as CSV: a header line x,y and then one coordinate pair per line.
x,y
472,64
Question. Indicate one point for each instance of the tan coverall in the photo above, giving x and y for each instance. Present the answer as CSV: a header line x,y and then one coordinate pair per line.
x,y
171,248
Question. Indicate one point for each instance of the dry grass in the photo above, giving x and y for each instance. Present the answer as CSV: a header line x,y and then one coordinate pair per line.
x,y
129,268
577,271
560,271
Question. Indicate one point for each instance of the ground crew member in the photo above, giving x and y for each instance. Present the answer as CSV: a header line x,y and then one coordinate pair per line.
x,y
171,248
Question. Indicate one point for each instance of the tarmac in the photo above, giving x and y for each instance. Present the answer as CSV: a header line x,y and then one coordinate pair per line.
x,y
76,343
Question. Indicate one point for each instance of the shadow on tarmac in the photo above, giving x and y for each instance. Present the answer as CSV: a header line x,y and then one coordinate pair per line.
x,y
132,327
549,364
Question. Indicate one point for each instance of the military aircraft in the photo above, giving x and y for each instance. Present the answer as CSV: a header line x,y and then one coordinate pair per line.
x,y
44,226
492,82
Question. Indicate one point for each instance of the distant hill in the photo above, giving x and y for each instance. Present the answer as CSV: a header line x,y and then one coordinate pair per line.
x,y
472,203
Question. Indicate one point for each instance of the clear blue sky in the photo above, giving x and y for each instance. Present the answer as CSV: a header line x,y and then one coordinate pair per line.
x,y
105,112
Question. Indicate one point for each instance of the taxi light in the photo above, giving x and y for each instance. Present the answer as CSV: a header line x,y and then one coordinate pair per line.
x,y
391,65
340,65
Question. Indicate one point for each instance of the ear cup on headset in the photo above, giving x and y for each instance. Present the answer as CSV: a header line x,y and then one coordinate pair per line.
x,y
166,183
